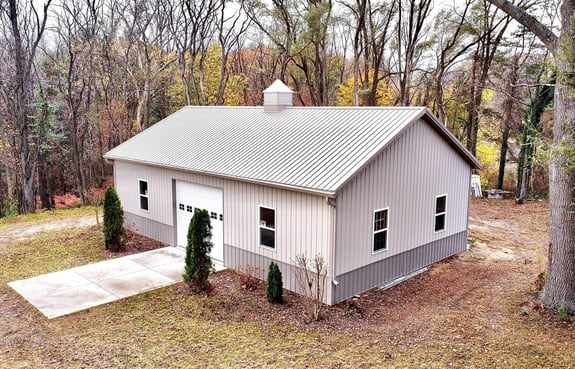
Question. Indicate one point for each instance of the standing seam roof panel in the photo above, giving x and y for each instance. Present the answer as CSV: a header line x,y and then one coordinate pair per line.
x,y
310,148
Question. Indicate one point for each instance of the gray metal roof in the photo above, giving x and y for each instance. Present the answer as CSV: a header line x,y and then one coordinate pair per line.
x,y
313,149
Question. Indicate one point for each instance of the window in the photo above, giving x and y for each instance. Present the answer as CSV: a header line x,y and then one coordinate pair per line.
x,y
267,227
380,230
213,215
440,203
189,209
181,206
143,191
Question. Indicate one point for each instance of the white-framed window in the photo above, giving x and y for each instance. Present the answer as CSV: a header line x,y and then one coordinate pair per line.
x,y
143,194
267,227
380,222
440,212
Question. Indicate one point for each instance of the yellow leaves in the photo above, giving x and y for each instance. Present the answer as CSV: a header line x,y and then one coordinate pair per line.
x,y
211,68
488,156
384,94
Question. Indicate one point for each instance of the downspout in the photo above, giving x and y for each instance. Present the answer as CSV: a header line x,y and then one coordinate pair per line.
x,y
469,195
333,283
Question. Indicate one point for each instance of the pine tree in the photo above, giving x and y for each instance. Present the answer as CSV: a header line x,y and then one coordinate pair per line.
x,y
198,262
274,288
113,221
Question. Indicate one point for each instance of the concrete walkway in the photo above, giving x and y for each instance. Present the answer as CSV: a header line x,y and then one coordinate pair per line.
x,y
61,293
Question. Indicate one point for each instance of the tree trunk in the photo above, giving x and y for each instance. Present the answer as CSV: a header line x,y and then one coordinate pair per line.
x,y
559,289
473,106
43,182
7,170
507,120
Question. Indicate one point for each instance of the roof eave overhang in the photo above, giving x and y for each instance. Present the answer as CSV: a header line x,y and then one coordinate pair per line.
x,y
450,138
283,186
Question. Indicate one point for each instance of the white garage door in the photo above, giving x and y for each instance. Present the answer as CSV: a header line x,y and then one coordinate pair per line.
x,y
190,196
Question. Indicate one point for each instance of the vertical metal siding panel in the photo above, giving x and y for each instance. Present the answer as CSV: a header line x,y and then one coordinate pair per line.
x,y
406,177
303,220
396,266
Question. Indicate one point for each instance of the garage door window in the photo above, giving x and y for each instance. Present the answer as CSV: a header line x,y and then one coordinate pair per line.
x,y
143,189
267,227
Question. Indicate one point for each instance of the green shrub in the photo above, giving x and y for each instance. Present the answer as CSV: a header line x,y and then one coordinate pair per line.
x,y
274,288
114,232
198,262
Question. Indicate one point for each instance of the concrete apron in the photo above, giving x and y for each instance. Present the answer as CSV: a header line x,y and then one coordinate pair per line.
x,y
61,293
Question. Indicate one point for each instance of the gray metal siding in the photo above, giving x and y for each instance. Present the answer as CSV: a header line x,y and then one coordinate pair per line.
x,y
389,269
149,228
406,177
239,259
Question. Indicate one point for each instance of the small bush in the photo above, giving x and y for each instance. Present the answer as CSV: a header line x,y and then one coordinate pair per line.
x,y
95,196
114,232
198,262
311,275
539,282
274,287
9,210
250,277
564,314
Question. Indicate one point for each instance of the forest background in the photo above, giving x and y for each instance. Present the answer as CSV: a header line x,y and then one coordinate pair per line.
x,y
78,77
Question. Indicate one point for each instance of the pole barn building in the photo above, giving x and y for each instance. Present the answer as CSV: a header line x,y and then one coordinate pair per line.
x,y
378,192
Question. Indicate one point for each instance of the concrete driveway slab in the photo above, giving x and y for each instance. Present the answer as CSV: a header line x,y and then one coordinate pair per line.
x,y
48,283
135,283
71,300
68,291
109,269
155,258
173,270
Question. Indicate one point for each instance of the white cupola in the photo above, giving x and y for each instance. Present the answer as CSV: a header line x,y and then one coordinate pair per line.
x,y
277,97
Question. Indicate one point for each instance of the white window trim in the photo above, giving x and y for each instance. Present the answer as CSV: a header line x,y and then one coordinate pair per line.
x,y
260,226
444,213
373,232
147,196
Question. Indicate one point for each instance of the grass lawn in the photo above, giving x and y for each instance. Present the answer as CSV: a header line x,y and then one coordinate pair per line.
x,y
476,310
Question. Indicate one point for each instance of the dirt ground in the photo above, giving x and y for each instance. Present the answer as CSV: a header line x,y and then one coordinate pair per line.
x,y
480,303
24,231
506,255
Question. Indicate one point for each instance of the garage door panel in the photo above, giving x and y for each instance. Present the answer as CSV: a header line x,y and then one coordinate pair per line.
x,y
191,196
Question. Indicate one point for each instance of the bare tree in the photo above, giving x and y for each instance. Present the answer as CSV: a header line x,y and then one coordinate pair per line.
x,y
76,24
144,56
23,26
311,275
280,26
452,45
508,118
490,32
231,31
411,31
192,25
371,28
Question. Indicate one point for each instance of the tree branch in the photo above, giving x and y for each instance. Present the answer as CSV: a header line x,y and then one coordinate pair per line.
x,y
544,33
